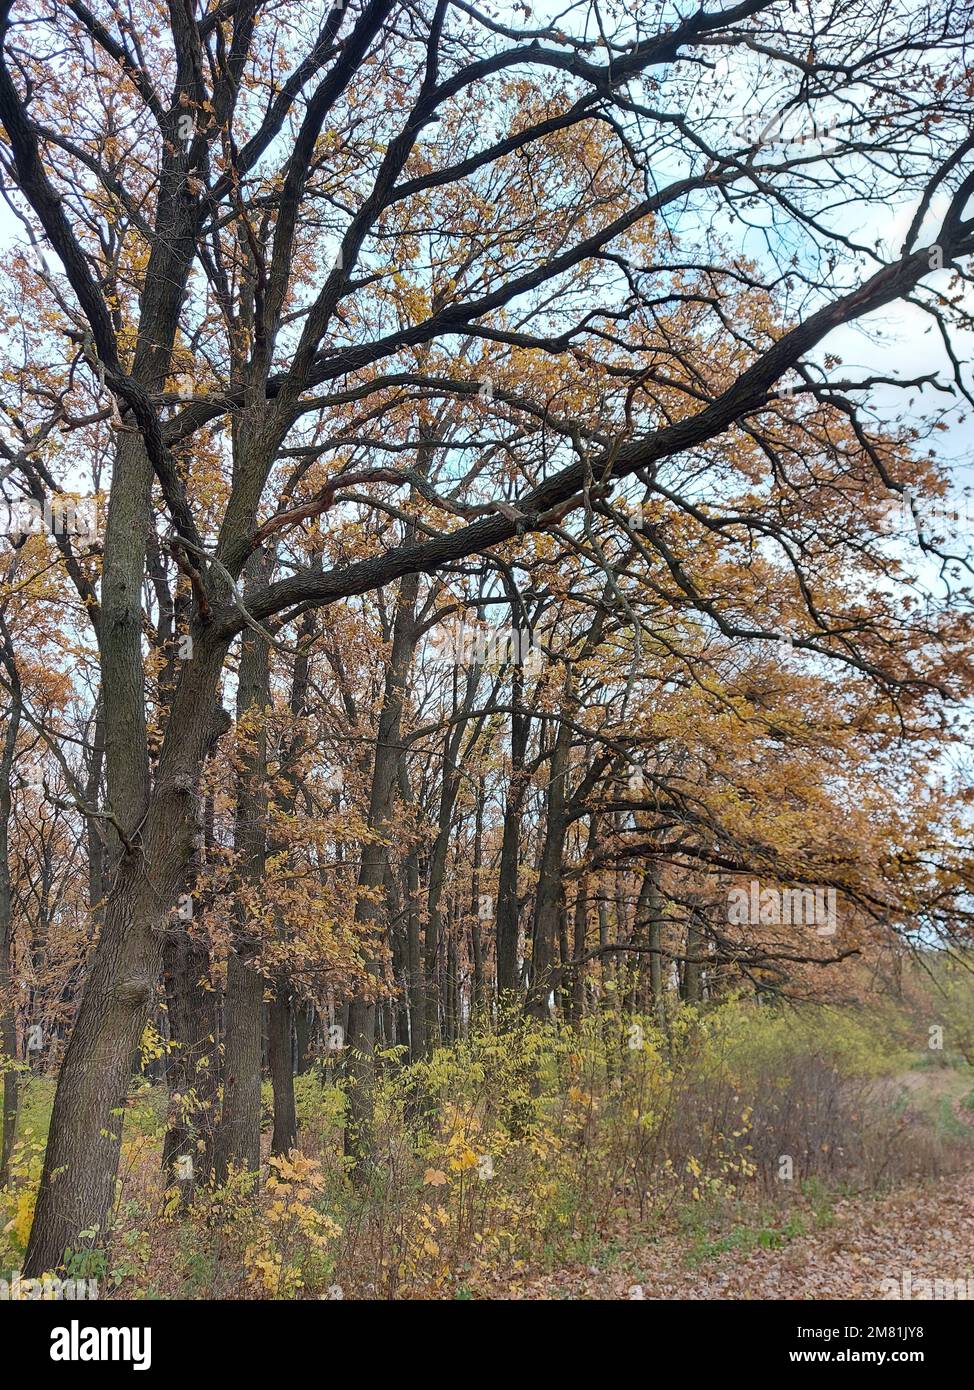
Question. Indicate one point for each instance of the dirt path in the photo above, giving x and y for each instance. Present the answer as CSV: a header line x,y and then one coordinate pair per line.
x,y
872,1248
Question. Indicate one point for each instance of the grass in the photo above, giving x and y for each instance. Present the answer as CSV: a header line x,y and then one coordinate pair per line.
x,y
675,1148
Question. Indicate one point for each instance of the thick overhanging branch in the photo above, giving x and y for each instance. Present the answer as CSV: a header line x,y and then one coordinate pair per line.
x,y
748,394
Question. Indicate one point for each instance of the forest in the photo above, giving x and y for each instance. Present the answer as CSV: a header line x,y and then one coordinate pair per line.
x,y
486,650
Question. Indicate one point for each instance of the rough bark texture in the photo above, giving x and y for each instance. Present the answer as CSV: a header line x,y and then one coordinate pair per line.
x,y
192,1069
238,1139
77,1183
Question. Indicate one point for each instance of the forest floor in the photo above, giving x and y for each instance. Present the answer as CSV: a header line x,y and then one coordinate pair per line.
x,y
889,1205
875,1246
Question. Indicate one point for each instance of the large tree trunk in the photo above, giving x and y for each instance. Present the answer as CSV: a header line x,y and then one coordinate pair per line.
x,y
192,1070
153,828
78,1180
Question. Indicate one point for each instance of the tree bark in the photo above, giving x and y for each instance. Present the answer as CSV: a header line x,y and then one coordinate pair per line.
x,y
153,828
192,1070
238,1138
279,1031
78,1180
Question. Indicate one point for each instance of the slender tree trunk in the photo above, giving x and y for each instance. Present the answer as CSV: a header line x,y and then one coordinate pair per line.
x,y
417,975
8,1018
450,984
279,1031
238,1140
436,943
549,903
692,990
507,882
281,1011
479,999
399,935
608,972
360,1064
578,950
652,972
435,930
